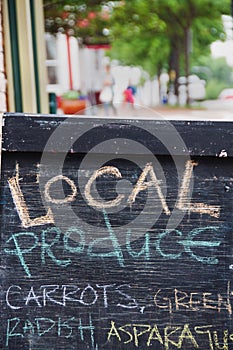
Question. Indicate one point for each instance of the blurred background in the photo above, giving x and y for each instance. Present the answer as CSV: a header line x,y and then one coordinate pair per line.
x,y
174,53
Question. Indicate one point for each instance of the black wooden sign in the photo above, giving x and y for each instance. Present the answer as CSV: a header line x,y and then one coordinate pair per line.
x,y
116,234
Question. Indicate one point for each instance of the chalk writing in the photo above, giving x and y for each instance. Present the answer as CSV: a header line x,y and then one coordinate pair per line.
x,y
129,255
194,301
107,204
183,203
42,326
21,205
189,243
67,199
146,335
117,295
142,185
116,252
66,295
50,238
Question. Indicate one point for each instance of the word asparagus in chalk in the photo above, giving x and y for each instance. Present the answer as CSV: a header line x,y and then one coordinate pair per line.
x,y
147,180
204,337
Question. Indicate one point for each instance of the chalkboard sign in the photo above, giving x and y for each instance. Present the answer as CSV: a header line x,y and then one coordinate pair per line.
x,y
116,234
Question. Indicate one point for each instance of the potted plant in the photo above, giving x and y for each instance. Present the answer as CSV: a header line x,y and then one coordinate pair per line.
x,y
72,102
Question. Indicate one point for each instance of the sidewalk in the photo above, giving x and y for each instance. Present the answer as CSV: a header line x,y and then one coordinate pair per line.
x,y
160,112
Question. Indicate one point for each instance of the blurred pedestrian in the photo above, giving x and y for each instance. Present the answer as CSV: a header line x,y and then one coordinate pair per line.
x,y
91,96
107,93
129,94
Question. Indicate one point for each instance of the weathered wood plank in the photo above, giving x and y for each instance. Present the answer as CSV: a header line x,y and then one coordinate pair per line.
x,y
207,138
116,244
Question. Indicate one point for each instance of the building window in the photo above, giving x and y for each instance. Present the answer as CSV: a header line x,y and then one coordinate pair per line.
x,y
51,60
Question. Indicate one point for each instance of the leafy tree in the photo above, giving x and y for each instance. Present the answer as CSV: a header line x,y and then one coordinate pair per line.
x,y
217,73
166,32
139,36
87,20
154,34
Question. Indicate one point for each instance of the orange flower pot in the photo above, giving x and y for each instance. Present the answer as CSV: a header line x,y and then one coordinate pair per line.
x,y
72,106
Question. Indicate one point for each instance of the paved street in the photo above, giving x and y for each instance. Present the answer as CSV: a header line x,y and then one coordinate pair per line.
x,y
208,110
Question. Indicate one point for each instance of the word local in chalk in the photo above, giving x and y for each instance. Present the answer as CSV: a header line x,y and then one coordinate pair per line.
x,y
146,180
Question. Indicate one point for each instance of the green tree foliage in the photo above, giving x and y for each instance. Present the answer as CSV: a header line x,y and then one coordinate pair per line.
x,y
139,35
217,73
160,33
153,34
87,20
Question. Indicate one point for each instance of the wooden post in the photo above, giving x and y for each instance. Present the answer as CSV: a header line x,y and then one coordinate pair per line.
x,y
1,119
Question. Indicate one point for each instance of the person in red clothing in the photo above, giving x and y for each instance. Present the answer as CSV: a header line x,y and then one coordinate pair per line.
x,y
128,96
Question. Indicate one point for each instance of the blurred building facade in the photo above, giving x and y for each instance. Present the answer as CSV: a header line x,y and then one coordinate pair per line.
x,y
23,76
34,64
3,97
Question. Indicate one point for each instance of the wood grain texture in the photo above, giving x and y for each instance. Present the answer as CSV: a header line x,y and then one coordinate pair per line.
x,y
150,270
